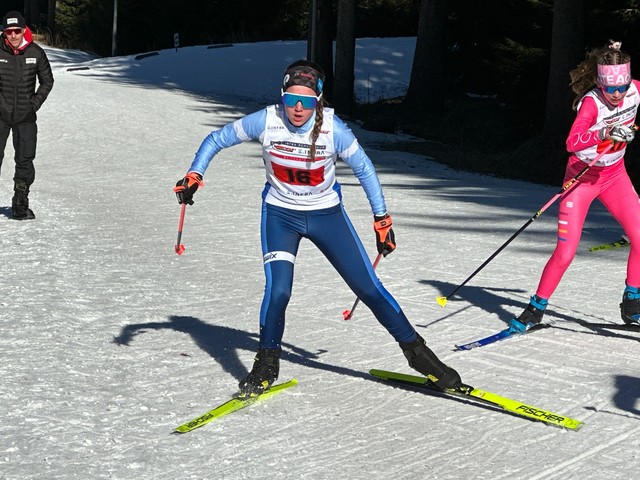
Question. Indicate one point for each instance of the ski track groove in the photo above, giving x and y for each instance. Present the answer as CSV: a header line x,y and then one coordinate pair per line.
x,y
558,470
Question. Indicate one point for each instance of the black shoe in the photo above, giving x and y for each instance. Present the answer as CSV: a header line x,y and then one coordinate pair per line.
x,y
266,367
630,309
22,214
422,359
20,203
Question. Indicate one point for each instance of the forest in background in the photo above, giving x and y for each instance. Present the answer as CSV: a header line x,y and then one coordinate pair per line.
x,y
482,83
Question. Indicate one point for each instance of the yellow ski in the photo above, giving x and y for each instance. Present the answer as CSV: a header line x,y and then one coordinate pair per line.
x,y
623,242
507,404
231,406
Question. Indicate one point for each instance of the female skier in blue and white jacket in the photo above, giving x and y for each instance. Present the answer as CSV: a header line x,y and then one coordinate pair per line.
x,y
301,141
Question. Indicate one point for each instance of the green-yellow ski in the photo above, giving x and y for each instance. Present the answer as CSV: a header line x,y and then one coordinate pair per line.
x,y
623,242
482,396
231,406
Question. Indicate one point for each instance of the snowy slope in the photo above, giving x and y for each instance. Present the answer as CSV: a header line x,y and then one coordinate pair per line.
x,y
110,340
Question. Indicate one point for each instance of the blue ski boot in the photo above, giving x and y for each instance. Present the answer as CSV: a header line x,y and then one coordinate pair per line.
x,y
630,306
531,316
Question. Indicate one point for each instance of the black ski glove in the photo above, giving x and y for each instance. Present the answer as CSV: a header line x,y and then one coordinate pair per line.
x,y
385,238
186,187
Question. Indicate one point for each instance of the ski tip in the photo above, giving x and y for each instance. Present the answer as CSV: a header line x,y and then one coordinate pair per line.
x,y
346,314
571,424
180,249
442,301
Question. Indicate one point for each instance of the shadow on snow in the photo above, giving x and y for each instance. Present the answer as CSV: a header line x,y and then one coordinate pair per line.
x,y
224,343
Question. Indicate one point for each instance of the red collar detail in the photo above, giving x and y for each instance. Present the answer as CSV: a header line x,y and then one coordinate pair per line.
x,y
26,41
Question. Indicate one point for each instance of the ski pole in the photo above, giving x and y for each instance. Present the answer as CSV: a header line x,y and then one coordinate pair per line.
x,y
442,301
347,314
179,247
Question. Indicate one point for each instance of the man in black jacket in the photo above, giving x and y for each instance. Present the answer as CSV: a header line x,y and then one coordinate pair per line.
x,y
21,62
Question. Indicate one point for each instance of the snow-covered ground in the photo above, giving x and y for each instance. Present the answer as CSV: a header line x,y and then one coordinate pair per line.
x,y
110,340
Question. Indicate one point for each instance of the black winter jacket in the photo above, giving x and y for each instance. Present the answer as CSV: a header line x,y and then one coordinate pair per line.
x,y
19,99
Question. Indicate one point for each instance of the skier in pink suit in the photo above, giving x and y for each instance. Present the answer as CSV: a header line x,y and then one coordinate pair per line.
x,y
606,102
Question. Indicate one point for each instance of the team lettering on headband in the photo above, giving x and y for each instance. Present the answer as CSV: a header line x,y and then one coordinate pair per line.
x,y
612,75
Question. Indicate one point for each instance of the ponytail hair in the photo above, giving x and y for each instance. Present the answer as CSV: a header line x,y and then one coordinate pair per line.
x,y
584,77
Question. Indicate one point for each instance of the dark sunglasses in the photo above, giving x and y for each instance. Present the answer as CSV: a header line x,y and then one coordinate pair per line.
x,y
619,88
292,99
12,31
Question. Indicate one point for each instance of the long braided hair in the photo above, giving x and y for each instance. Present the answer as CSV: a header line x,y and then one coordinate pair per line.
x,y
584,76
315,133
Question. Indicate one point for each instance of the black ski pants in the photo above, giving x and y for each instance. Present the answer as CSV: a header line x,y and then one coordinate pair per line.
x,y
25,137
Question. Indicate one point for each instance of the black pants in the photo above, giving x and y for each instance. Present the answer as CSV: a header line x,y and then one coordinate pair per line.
x,y
25,137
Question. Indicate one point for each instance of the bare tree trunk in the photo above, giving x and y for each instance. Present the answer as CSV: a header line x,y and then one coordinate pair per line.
x,y
427,73
345,56
32,12
51,15
566,53
320,45
547,152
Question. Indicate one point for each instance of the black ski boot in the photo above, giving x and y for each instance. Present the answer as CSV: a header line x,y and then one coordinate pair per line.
x,y
20,203
266,367
422,359
531,316
630,306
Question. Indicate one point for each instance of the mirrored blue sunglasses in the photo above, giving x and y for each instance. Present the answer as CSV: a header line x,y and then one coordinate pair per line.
x,y
292,99
619,88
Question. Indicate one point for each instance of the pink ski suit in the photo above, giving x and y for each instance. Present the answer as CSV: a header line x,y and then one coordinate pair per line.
x,y
607,181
